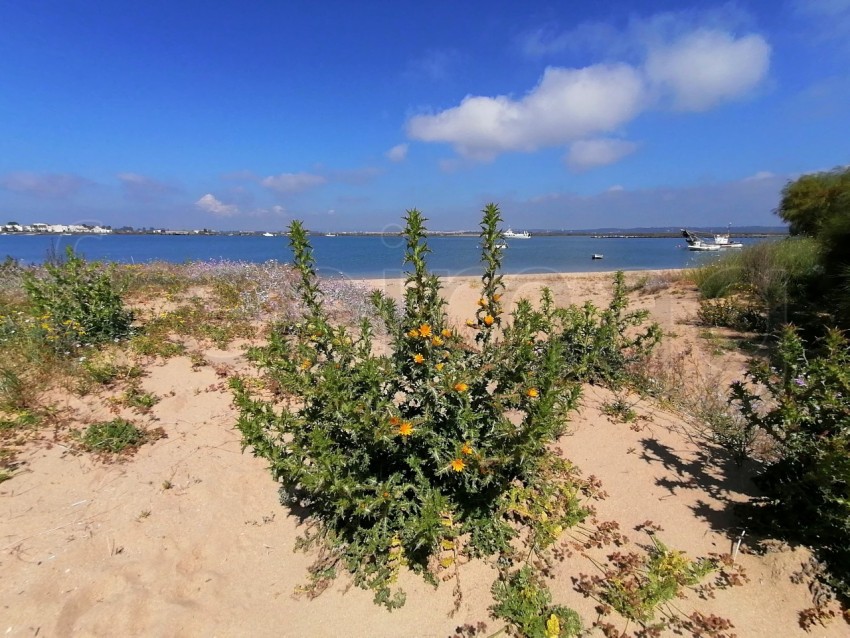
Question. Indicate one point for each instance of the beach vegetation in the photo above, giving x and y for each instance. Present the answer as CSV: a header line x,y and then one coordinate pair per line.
x,y
642,587
436,450
113,437
523,599
604,346
800,400
76,303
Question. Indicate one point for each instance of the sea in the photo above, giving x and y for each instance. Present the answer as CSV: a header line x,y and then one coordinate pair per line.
x,y
373,256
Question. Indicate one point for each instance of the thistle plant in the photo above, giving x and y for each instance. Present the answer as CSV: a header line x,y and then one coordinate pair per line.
x,y
76,303
434,450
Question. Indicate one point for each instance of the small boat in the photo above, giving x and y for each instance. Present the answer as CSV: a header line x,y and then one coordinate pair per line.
x,y
501,246
268,234
510,234
330,234
597,256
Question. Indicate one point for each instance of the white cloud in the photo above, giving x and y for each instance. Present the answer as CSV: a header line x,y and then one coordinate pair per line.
x,y
692,60
287,183
587,154
566,105
397,153
705,67
209,204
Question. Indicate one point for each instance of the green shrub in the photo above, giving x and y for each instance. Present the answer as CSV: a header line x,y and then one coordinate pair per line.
x,y
76,303
733,313
803,403
639,587
775,279
113,436
432,450
599,345
523,599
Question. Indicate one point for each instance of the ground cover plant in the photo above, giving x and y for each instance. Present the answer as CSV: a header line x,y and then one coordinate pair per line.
x,y
115,437
431,452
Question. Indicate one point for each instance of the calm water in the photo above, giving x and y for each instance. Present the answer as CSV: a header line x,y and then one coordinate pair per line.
x,y
371,256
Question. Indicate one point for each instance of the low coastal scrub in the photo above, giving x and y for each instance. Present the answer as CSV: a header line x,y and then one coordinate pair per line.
x,y
431,453
802,403
603,346
76,303
760,286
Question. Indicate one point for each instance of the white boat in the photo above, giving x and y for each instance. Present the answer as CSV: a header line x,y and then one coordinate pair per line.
x,y
510,234
699,244
268,234
597,256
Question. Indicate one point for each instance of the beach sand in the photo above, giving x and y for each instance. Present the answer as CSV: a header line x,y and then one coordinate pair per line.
x,y
188,537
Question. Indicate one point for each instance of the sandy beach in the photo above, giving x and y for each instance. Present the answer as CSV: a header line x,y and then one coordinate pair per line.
x,y
188,536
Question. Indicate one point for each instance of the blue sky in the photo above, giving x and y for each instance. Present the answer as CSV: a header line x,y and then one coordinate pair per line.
x,y
573,115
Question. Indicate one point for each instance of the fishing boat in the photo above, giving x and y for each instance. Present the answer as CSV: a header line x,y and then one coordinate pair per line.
x,y
719,242
510,234
597,256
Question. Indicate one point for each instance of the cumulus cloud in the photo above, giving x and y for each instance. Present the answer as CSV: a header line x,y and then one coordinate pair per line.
x,y
209,204
587,154
144,189
288,183
567,104
43,185
397,153
705,68
688,60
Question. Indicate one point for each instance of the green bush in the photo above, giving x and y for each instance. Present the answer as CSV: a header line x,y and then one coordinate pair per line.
x,y
113,436
802,402
733,313
76,303
435,449
599,345
525,601
775,279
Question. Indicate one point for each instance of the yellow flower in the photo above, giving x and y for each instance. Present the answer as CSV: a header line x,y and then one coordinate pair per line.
x,y
306,364
425,331
466,449
470,322
461,387
446,333
413,333
482,302
405,429
458,465
553,627
439,366
394,420
489,320
497,296
532,392
436,341
418,358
